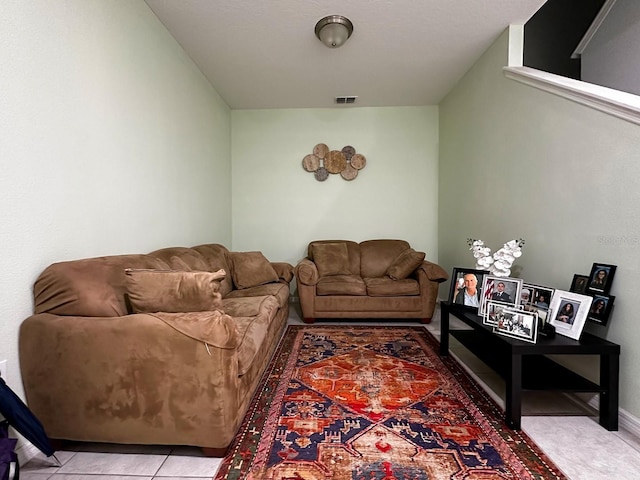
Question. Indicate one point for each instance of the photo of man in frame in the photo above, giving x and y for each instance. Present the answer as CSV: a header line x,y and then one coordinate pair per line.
x,y
466,287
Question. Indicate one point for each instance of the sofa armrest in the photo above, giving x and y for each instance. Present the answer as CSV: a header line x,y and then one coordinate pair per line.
x,y
95,377
284,270
307,272
434,272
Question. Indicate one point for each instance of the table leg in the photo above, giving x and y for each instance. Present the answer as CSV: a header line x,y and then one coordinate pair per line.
x,y
444,329
513,397
609,384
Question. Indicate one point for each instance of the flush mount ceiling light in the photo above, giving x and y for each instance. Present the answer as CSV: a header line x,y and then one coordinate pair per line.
x,y
334,30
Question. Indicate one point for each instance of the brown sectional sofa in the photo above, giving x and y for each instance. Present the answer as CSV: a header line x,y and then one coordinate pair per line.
x,y
95,371
370,279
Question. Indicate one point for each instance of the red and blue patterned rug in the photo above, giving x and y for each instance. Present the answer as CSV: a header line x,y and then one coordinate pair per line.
x,y
375,403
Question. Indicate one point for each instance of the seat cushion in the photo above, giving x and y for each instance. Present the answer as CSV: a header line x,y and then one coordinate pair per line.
x,y
341,285
279,290
387,287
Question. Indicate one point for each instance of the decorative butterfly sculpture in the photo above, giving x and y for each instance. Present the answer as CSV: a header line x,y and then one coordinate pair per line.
x,y
499,264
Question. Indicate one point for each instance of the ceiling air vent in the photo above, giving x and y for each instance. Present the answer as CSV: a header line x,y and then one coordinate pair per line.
x,y
345,100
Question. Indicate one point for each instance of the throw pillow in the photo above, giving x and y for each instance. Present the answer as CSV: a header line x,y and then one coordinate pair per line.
x,y
331,258
173,291
250,269
405,264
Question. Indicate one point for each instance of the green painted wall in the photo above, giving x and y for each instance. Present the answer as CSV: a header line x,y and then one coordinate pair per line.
x,y
519,162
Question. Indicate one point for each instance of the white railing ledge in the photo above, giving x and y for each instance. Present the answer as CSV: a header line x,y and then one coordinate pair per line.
x,y
613,102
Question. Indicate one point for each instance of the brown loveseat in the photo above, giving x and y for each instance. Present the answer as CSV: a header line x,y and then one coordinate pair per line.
x,y
179,371
371,279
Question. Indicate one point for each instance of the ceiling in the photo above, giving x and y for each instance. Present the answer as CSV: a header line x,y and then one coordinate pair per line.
x,y
264,53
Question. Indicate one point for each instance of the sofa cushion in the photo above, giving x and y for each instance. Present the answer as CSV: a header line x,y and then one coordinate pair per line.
x,y
173,291
215,255
93,287
178,257
252,327
279,290
250,269
341,285
376,256
331,258
387,287
405,264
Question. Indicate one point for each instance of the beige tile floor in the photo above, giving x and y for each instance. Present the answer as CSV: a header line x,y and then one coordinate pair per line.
x,y
565,428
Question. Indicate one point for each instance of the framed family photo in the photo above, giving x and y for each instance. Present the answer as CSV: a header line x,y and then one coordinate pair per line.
x,y
600,278
536,299
519,324
466,287
568,312
533,297
600,310
494,312
505,290
579,284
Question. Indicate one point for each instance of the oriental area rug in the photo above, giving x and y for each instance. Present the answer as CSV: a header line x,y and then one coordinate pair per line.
x,y
375,403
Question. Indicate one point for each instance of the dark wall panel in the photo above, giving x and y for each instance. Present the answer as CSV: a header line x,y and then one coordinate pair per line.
x,y
553,33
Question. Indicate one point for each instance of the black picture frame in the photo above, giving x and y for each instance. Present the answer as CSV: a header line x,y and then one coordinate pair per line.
x,y
600,283
600,309
540,298
579,284
533,297
457,285
516,323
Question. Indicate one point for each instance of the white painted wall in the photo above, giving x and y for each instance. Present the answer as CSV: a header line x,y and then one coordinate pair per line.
x,y
111,141
519,162
278,207
612,57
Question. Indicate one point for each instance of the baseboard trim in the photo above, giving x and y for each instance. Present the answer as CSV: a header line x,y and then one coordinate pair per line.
x,y
627,422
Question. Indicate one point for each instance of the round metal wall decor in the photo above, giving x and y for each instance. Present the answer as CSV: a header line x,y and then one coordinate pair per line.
x,y
358,161
321,174
311,163
324,161
349,173
335,162
320,150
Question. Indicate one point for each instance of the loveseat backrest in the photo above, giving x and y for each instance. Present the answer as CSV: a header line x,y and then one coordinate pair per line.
x,y
376,256
353,249
91,287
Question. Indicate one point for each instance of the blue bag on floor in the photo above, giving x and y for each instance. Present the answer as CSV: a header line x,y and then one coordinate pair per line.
x,y
9,467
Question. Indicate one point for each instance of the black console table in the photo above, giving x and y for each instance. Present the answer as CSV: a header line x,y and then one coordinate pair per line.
x,y
524,365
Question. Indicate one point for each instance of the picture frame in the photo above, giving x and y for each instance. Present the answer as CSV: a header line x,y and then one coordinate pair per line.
x,y
457,286
601,278
579,284
518,324
494,311
600,309
568,312
505,290
535,297
539,301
